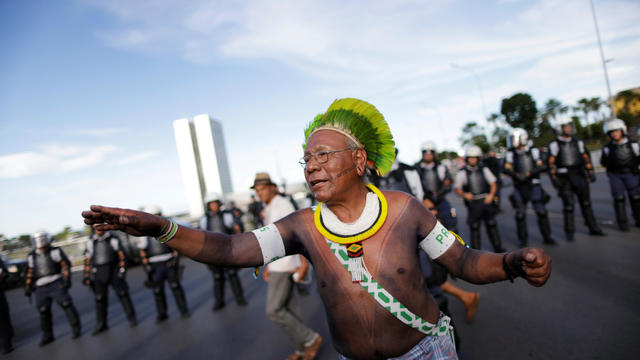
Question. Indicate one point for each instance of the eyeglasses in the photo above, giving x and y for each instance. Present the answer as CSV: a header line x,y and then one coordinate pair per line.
x,y
321,157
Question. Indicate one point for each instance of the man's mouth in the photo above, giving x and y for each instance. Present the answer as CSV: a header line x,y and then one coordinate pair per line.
x,y
315,182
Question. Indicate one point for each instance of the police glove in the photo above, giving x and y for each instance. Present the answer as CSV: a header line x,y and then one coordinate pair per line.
x,y
86,281
27,291
591,176
122,272
67,283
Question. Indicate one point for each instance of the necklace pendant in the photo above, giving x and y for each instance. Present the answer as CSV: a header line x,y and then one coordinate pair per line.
x,y
355,250
356,268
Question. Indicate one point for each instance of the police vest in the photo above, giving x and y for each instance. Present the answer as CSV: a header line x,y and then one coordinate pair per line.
x,y
395,180
476,182
430,179
621,158
103,253
215,223
569,154
43,264
155,248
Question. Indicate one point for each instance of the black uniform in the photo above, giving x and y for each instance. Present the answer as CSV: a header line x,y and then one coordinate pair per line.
x,y
475,180
524,169
50,284
104,269
6,329
216,222
622,161
433,183
569,175
163,266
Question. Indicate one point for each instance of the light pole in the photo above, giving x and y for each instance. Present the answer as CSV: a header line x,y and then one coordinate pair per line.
x,y
475,76
604,62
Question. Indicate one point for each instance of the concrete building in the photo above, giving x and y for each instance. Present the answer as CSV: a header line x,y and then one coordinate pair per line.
x,y
203,160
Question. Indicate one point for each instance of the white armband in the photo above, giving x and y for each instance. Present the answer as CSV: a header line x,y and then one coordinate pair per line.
x,y
271,243
438,241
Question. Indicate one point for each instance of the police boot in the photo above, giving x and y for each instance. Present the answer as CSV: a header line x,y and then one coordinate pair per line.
x,y
621,213
181,300
46,324
635,208
521,225
545,229
218,292
127,305
161,305
494,237
74,319
101,315
236,287
569,225
476,242
590,220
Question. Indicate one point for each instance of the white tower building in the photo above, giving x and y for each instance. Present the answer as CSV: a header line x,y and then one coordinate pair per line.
x,y
203,160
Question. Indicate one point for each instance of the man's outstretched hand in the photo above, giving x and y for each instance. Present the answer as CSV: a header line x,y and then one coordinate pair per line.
x,y
136,223
532,264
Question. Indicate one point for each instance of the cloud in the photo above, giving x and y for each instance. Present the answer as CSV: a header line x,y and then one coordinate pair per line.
x,y
100,132
52,158
136,157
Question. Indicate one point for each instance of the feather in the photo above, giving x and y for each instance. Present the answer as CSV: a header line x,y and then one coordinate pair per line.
x,y
364,122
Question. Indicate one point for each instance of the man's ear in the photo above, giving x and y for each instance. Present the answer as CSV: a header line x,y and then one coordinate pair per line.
x,y
360,159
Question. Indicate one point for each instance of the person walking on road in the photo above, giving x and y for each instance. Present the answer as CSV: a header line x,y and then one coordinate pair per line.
x,y
105,265
6,328
571,172
217,220
477,185
281,275
361,241
524,165
49,273
161,264
621,157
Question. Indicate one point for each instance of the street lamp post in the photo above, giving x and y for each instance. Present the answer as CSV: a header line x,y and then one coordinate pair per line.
x,y
475,76
604,62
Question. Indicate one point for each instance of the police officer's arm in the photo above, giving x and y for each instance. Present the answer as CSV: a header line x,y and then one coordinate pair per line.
x,y
241,250
604,156
66,268
87,270
28,281
481,267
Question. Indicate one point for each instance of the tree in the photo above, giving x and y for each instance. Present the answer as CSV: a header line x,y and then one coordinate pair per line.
x,y
473,134
520,111
552,108
588,106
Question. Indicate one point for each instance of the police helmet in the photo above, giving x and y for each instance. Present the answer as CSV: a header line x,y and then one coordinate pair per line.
x,y
213,196
615,124
40,239
517,137
473,151
564,120
429,146
152,209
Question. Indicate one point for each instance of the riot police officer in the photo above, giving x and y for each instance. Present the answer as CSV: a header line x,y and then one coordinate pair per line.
x,y
437,182
223,221
401,177
49,272
104,266
621,157
571,171
477,185
6,329
524,165
161,264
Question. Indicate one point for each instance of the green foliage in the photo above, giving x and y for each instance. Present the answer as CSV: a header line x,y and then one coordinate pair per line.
x,y
520,111
473,134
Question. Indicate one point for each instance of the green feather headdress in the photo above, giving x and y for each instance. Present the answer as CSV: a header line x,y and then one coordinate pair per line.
x,y
364,124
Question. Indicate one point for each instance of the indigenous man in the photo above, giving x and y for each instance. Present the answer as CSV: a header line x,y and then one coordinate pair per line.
x,y
571,172
281,275
621,157
104,266
477,185
49,272
375,311
524,165
6,329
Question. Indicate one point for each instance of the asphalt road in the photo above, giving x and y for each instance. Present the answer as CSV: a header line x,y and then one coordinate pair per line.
x,y
587,310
